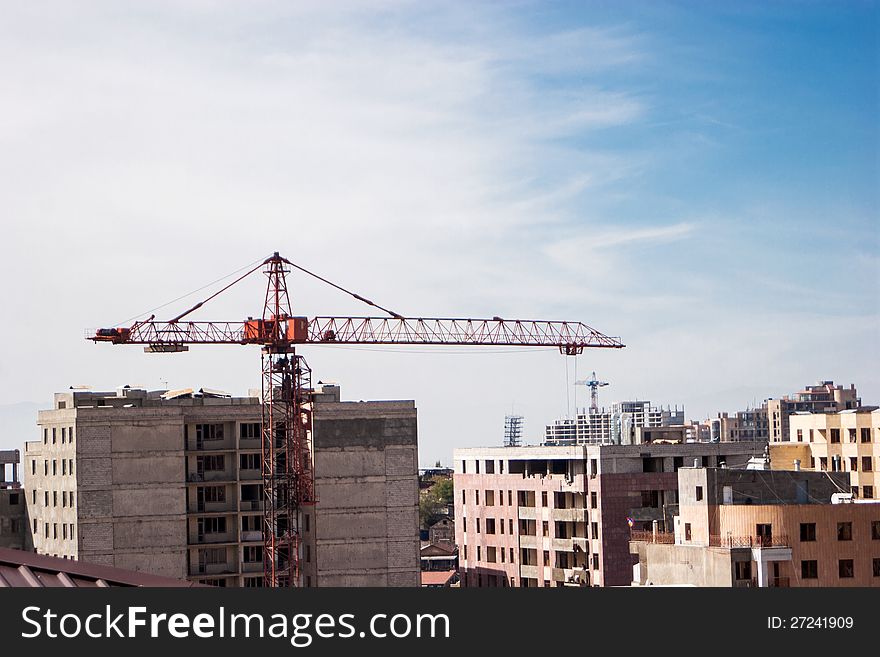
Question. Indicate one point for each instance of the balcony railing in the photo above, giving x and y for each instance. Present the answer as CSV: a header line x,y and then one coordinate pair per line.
x,y
666,538
728,541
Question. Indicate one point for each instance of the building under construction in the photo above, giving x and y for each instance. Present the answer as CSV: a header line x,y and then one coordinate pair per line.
x,y
170,484
618,425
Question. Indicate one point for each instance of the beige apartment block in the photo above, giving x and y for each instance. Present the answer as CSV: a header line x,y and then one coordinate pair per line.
x,y
762,528
819,398
842,441
172,486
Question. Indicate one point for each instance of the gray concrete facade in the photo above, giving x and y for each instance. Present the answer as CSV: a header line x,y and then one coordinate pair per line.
x,y
173,487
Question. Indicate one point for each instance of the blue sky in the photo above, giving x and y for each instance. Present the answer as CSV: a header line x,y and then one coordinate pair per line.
x,y
701,179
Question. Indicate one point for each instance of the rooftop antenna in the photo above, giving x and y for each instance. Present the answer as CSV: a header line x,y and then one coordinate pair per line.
x,y
593,384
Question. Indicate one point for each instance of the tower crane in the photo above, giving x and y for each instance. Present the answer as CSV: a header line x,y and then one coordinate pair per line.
x,y
593,384
286,418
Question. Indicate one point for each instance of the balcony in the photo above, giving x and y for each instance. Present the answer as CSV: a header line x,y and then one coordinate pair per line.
x,y
664,538
759,542
250,475
209,446
210,475
527,513
581,542
215,569
251,505
252,567
530,571
250,536
561,544
567,515
211,507
527,541
212,537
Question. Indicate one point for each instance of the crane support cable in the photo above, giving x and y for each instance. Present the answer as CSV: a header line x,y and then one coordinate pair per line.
x,y
189,294
349,292
220,291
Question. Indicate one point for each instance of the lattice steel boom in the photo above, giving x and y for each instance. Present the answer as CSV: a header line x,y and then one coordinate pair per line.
x,y
287,467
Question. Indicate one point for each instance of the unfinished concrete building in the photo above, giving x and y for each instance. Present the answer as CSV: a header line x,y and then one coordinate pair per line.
x,y
13,511
560,516
170,484
617,426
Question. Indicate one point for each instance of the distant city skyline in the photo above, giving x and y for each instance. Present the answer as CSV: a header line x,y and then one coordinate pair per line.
x,y
698,179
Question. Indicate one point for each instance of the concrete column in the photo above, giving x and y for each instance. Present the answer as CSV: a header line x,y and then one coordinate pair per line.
x,y
762,570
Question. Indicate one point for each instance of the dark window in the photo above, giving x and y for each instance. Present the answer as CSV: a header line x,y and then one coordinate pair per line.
x,y
213,463
875,530
214,493
868,492
212,525
249,430
844,531
13,498
699,493
651,499
687,531
867,466
845,568
835,435
594,500
209,432
810,569
808,531
249,461
876,564
743,570
866,435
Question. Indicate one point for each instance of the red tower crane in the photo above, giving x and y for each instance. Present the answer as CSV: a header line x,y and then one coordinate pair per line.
x,y
287,466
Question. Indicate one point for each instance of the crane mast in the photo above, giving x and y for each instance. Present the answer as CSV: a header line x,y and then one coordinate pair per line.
x,y
287,466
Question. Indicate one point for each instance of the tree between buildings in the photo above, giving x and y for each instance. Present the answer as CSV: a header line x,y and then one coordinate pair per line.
x,y
433,501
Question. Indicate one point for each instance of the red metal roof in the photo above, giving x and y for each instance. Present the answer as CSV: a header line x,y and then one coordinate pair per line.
x,y
28,569
437,577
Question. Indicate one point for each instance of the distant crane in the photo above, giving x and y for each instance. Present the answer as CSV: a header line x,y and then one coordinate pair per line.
x,y
513,427
593,384
287,463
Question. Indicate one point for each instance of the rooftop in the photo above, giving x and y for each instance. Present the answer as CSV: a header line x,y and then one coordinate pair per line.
x,y
19,568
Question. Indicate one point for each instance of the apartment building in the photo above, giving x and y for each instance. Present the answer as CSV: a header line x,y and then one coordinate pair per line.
x,y
819,398
762,528
170,484
560,516
751,424
835,441
618,425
